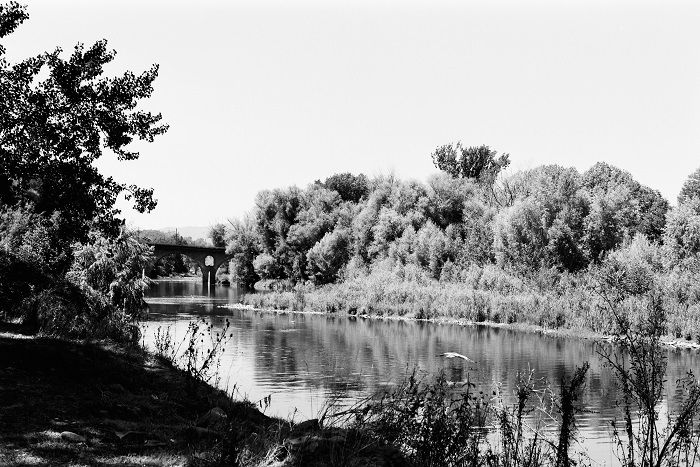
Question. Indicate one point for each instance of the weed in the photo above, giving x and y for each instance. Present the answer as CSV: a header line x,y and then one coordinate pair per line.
x,y
199,359
639,364
439,423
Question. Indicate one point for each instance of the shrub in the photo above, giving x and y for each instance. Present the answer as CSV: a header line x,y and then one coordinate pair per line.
x,y
114,269
98,297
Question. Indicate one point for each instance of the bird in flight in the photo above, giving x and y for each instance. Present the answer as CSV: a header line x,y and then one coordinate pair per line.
x,y
456,355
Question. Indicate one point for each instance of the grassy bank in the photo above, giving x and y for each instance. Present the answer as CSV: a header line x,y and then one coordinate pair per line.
x,y
572,307
86,404
424,301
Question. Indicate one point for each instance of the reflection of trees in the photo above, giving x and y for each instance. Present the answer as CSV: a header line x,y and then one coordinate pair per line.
x,y
354,357
337,355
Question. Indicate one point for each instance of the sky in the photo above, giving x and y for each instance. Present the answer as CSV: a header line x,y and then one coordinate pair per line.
x,y
267,94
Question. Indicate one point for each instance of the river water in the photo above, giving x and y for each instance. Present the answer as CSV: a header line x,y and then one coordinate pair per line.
x,y
305,361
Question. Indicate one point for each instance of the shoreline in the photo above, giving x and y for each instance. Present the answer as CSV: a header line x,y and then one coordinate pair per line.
x,y
667,341
101,402
69,402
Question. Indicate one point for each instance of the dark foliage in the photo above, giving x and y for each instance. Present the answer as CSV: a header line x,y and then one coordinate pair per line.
x,y
67,266
479,163
53,129
350,187
217,234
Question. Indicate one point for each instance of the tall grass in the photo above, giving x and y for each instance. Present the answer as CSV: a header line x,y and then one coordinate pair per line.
x,y
380,294
199,360
488,294
435,423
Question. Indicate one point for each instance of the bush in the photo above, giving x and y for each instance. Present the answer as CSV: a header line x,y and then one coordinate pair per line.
x,y
113,268
68,311
682,235
98,297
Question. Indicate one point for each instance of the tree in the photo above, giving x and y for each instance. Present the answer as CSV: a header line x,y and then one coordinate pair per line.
x,y
28,245
545,226
112,267
473,238
691,188
580,217
602,230
637,208
682,236
446,198
57,117
266,266
275,212
316,217
431,249
217,233
350,187
367,216
243,243
33,239
479,163
387,229
520,238
328,256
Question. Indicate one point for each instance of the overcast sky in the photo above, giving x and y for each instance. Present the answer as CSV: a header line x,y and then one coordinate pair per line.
x,y
265,94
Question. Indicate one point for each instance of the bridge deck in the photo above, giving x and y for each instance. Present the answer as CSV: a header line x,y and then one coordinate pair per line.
x,y
189,248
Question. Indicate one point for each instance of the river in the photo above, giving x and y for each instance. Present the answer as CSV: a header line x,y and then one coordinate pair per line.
x,y
305,361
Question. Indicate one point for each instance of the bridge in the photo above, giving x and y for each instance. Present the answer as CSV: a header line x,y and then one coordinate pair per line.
x,y
207,258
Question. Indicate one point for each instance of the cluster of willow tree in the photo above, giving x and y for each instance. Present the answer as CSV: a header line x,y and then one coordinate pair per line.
x,y
537,226
546,217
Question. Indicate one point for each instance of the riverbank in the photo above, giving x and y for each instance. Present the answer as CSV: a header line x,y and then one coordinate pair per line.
x,y
291,302
76,403
72,403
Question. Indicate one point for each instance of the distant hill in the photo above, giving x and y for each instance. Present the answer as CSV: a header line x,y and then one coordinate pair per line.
x,y
190,231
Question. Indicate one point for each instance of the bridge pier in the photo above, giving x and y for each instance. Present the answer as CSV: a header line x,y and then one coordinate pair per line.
x,y
207,272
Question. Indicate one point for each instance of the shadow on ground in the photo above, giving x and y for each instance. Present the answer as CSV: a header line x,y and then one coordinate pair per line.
x,y
67,403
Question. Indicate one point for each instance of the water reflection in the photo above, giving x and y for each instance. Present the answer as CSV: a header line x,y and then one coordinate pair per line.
x,y
303,361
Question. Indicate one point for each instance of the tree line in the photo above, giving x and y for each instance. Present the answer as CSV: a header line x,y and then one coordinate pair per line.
x,y
549,217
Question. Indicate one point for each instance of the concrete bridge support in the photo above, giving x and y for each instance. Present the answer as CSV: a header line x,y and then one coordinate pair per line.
x,y
208,275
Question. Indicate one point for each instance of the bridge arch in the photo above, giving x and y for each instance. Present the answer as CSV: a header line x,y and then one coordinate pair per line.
x,y
162,259
209,259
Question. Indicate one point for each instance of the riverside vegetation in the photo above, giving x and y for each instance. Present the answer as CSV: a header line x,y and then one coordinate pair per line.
x,y
430,421
521,248
534,247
